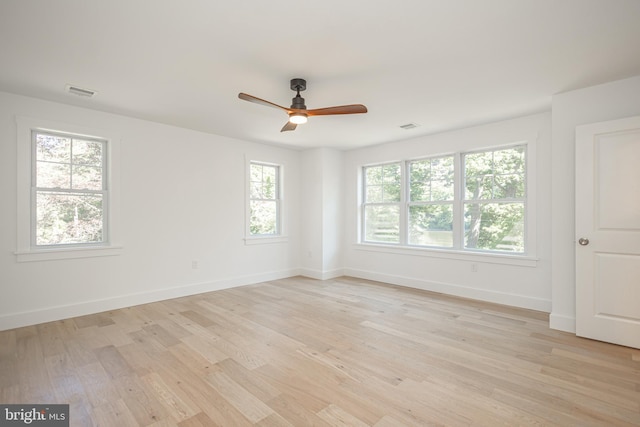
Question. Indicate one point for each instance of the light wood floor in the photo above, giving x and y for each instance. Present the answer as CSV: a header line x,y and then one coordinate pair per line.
x,y
300,352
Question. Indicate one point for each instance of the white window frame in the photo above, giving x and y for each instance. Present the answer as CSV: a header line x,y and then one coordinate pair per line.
x,y
279,237
26,249
528,258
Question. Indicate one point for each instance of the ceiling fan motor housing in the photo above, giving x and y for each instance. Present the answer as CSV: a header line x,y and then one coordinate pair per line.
x,y
297,103
298,85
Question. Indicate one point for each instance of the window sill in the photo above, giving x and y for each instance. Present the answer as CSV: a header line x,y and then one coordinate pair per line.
x,y
490,258
263,240
67,253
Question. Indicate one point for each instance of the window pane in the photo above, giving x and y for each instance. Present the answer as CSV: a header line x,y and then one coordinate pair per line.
x,y
509,161
269,188
391,186
382,223
256,173
373,175
68,218
269,182
268,173
374,194
391,192
264,217
479,187
420,191
53,148
441,190
420,171
53,175
87,178
420,181
494,226
256,190
391,174
509,186
87,152
431,225
476,164
442,167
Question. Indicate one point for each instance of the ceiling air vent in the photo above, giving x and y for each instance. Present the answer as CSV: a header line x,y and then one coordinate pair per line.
x,y
88,93
409,126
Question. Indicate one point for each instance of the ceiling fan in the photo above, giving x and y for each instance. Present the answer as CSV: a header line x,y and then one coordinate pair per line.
x,y
298,112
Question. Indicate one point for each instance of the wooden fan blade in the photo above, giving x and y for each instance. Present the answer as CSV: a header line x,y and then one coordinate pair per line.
x,y
288,126
251,98
342,109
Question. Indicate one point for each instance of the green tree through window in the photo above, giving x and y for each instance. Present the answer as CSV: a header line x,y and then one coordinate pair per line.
x,y
494,199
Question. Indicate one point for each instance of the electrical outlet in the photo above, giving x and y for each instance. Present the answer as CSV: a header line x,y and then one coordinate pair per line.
x,y
474,267
194,264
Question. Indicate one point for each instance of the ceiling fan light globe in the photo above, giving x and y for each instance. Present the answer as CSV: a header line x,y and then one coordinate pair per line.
x,y
298,119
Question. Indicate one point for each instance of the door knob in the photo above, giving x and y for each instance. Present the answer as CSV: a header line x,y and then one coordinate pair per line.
x,y
583,241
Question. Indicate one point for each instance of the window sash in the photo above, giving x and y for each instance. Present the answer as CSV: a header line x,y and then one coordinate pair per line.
x,y
494,175
439,237
505,241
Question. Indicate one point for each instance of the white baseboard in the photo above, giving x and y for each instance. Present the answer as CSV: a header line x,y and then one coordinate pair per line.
x,y
562,322
514,300
17,320
321,275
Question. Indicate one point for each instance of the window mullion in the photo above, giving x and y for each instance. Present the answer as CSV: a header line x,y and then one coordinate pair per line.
x,y
71,164
404,200
458,201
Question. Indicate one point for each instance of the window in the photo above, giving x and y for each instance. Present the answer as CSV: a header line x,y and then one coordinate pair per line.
x,y
67,191
382,196
431,193
464,201
494,200
264,199
70,198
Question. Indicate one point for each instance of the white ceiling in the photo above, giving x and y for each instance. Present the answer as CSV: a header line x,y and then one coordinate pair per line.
x,y
442,64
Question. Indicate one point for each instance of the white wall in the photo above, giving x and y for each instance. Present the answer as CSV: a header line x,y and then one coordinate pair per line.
x,y
608,101
524,284
321,219
332,208
311,219
182,199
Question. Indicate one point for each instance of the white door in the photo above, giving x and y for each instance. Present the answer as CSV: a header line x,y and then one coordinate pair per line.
x,y
608,231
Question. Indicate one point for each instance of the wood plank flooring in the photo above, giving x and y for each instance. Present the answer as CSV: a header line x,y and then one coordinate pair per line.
x,y
302,352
